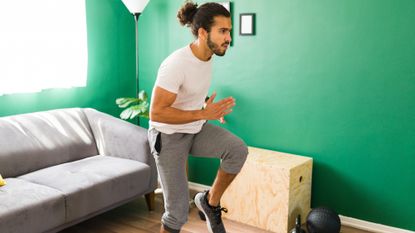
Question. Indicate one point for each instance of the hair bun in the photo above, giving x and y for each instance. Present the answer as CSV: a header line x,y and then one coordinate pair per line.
x,y
186,13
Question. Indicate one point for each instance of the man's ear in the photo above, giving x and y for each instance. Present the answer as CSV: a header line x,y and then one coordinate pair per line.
x,y
202,34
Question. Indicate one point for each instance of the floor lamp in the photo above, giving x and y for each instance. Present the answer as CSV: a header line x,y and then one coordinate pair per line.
x,y
136,7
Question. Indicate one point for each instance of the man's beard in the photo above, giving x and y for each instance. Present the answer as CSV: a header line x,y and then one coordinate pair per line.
x,y
215,48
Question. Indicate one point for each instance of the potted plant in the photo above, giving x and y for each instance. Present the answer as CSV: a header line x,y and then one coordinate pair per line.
x,y
134,107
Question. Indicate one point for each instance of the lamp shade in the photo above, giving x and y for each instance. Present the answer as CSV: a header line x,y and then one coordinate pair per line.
x,y
135,6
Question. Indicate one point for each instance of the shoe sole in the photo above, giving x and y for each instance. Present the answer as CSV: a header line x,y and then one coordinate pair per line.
x,y
199,206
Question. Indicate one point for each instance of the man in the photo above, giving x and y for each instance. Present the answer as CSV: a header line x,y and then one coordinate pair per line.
x,y
178,116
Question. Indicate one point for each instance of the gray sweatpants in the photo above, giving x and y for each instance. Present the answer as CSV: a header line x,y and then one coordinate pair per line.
x,y
171,151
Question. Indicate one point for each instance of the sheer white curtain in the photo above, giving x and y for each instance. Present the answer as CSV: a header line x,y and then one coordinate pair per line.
x,y
43,45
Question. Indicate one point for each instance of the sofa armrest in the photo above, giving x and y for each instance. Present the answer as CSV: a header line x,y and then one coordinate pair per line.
x,y
119,138
116,137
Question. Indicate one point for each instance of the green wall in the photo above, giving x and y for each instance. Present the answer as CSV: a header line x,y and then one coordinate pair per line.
x,y
334,80
111,66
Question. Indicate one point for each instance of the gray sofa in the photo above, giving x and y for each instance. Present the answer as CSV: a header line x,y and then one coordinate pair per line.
x,y
64,166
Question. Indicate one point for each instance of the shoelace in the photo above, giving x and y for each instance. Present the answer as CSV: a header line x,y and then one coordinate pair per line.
x,y
218,214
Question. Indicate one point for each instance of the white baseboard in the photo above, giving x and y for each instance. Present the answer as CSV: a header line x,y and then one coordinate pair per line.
x,y
198,187
346,221
370,226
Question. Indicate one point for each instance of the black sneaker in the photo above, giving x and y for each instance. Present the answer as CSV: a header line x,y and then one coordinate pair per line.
x,y
212,214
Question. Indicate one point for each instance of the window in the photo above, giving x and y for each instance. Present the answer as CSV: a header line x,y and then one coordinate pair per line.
x,y
43,45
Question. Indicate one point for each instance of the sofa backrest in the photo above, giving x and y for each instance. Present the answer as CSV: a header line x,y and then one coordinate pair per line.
x,y
32,141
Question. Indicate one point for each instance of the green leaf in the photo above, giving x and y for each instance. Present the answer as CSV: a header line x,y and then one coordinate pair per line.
x,y
125,102
126,114
142,107
135,107
140,110
142,96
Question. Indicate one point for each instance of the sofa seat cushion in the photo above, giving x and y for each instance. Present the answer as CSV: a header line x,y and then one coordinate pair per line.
x,y
94,183
29,207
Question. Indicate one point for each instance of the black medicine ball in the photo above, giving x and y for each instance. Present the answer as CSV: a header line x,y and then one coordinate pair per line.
x,y
323,220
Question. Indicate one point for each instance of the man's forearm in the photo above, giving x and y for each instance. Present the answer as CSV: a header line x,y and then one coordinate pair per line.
x,y
170,115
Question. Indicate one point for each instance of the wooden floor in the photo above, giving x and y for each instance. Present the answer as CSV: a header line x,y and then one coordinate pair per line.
x,y
134,218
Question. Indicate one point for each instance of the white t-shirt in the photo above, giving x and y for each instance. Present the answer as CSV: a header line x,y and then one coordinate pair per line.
x,y
187,76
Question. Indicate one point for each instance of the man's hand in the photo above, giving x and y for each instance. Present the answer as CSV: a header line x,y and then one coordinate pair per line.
x,y
216,111
161,109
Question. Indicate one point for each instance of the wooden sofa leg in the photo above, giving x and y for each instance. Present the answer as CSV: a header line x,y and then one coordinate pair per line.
x,y
150,200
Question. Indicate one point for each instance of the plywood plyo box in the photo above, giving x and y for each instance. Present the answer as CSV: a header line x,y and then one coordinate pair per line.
x,y
270,191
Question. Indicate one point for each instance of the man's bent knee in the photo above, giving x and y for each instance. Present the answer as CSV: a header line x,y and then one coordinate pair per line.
x,y
232,163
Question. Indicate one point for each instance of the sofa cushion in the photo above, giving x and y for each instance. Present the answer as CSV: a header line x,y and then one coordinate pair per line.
x,y
37,140
94,183
29,207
